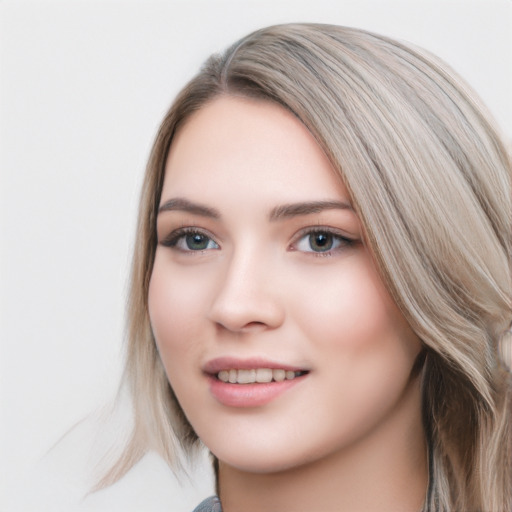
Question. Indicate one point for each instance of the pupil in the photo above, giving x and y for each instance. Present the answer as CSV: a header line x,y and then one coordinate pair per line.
x,y
321,242
196,241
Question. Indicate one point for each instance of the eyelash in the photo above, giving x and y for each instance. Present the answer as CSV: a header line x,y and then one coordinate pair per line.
x,y
343,241
174,238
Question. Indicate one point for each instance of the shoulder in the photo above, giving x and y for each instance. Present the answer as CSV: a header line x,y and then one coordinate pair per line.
x,y
211,504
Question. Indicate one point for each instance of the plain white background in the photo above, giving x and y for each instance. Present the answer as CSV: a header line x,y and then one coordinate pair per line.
x,y
83,87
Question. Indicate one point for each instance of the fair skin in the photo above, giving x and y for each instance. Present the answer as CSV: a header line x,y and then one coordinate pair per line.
x,y
272,274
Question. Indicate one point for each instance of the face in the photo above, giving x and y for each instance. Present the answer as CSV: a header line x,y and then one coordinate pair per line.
x,y
277,335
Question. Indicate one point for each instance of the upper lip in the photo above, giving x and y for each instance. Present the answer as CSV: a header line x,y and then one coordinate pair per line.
x,y
214,366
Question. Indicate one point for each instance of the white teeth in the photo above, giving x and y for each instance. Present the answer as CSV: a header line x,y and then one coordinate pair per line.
x,y
223,375
246,376
279,375
261,375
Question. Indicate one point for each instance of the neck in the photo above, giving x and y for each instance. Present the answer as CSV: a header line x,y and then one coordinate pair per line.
x,y
384,472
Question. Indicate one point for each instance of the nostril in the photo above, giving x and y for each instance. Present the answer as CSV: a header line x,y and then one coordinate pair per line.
x,y
253,326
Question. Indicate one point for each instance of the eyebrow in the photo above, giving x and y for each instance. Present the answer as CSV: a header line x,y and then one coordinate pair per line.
x,y
278,213
296,209
185,205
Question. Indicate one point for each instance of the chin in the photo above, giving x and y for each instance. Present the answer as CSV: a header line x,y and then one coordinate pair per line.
x,y
256,459
260,466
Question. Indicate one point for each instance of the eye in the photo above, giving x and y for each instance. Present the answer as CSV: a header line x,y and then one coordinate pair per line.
x,y
190,240
321,241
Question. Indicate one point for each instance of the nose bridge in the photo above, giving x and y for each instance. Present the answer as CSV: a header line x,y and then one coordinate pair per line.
x,y
247,296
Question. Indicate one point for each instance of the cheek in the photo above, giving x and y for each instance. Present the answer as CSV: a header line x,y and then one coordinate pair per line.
x,y
174,309
355,323
349,303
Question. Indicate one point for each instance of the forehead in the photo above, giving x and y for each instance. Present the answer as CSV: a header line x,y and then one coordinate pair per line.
x,y
252,145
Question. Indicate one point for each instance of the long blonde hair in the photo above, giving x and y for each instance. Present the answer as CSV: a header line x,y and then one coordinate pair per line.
x,y
430,181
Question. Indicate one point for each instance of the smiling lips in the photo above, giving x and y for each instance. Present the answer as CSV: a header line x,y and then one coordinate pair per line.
x,y
250,383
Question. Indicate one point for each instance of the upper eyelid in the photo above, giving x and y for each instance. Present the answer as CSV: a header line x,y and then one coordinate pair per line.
x,y
323,229
177,233
344,239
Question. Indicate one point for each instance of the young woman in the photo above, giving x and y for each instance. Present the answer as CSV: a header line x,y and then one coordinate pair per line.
x,y
322,281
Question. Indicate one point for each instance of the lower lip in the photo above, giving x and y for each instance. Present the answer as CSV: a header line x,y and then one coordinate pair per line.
x,y
249,395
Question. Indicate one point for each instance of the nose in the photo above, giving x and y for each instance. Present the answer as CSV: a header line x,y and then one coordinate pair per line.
x,y
248,297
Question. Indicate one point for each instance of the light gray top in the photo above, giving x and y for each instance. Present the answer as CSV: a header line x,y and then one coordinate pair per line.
x,y
211,504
